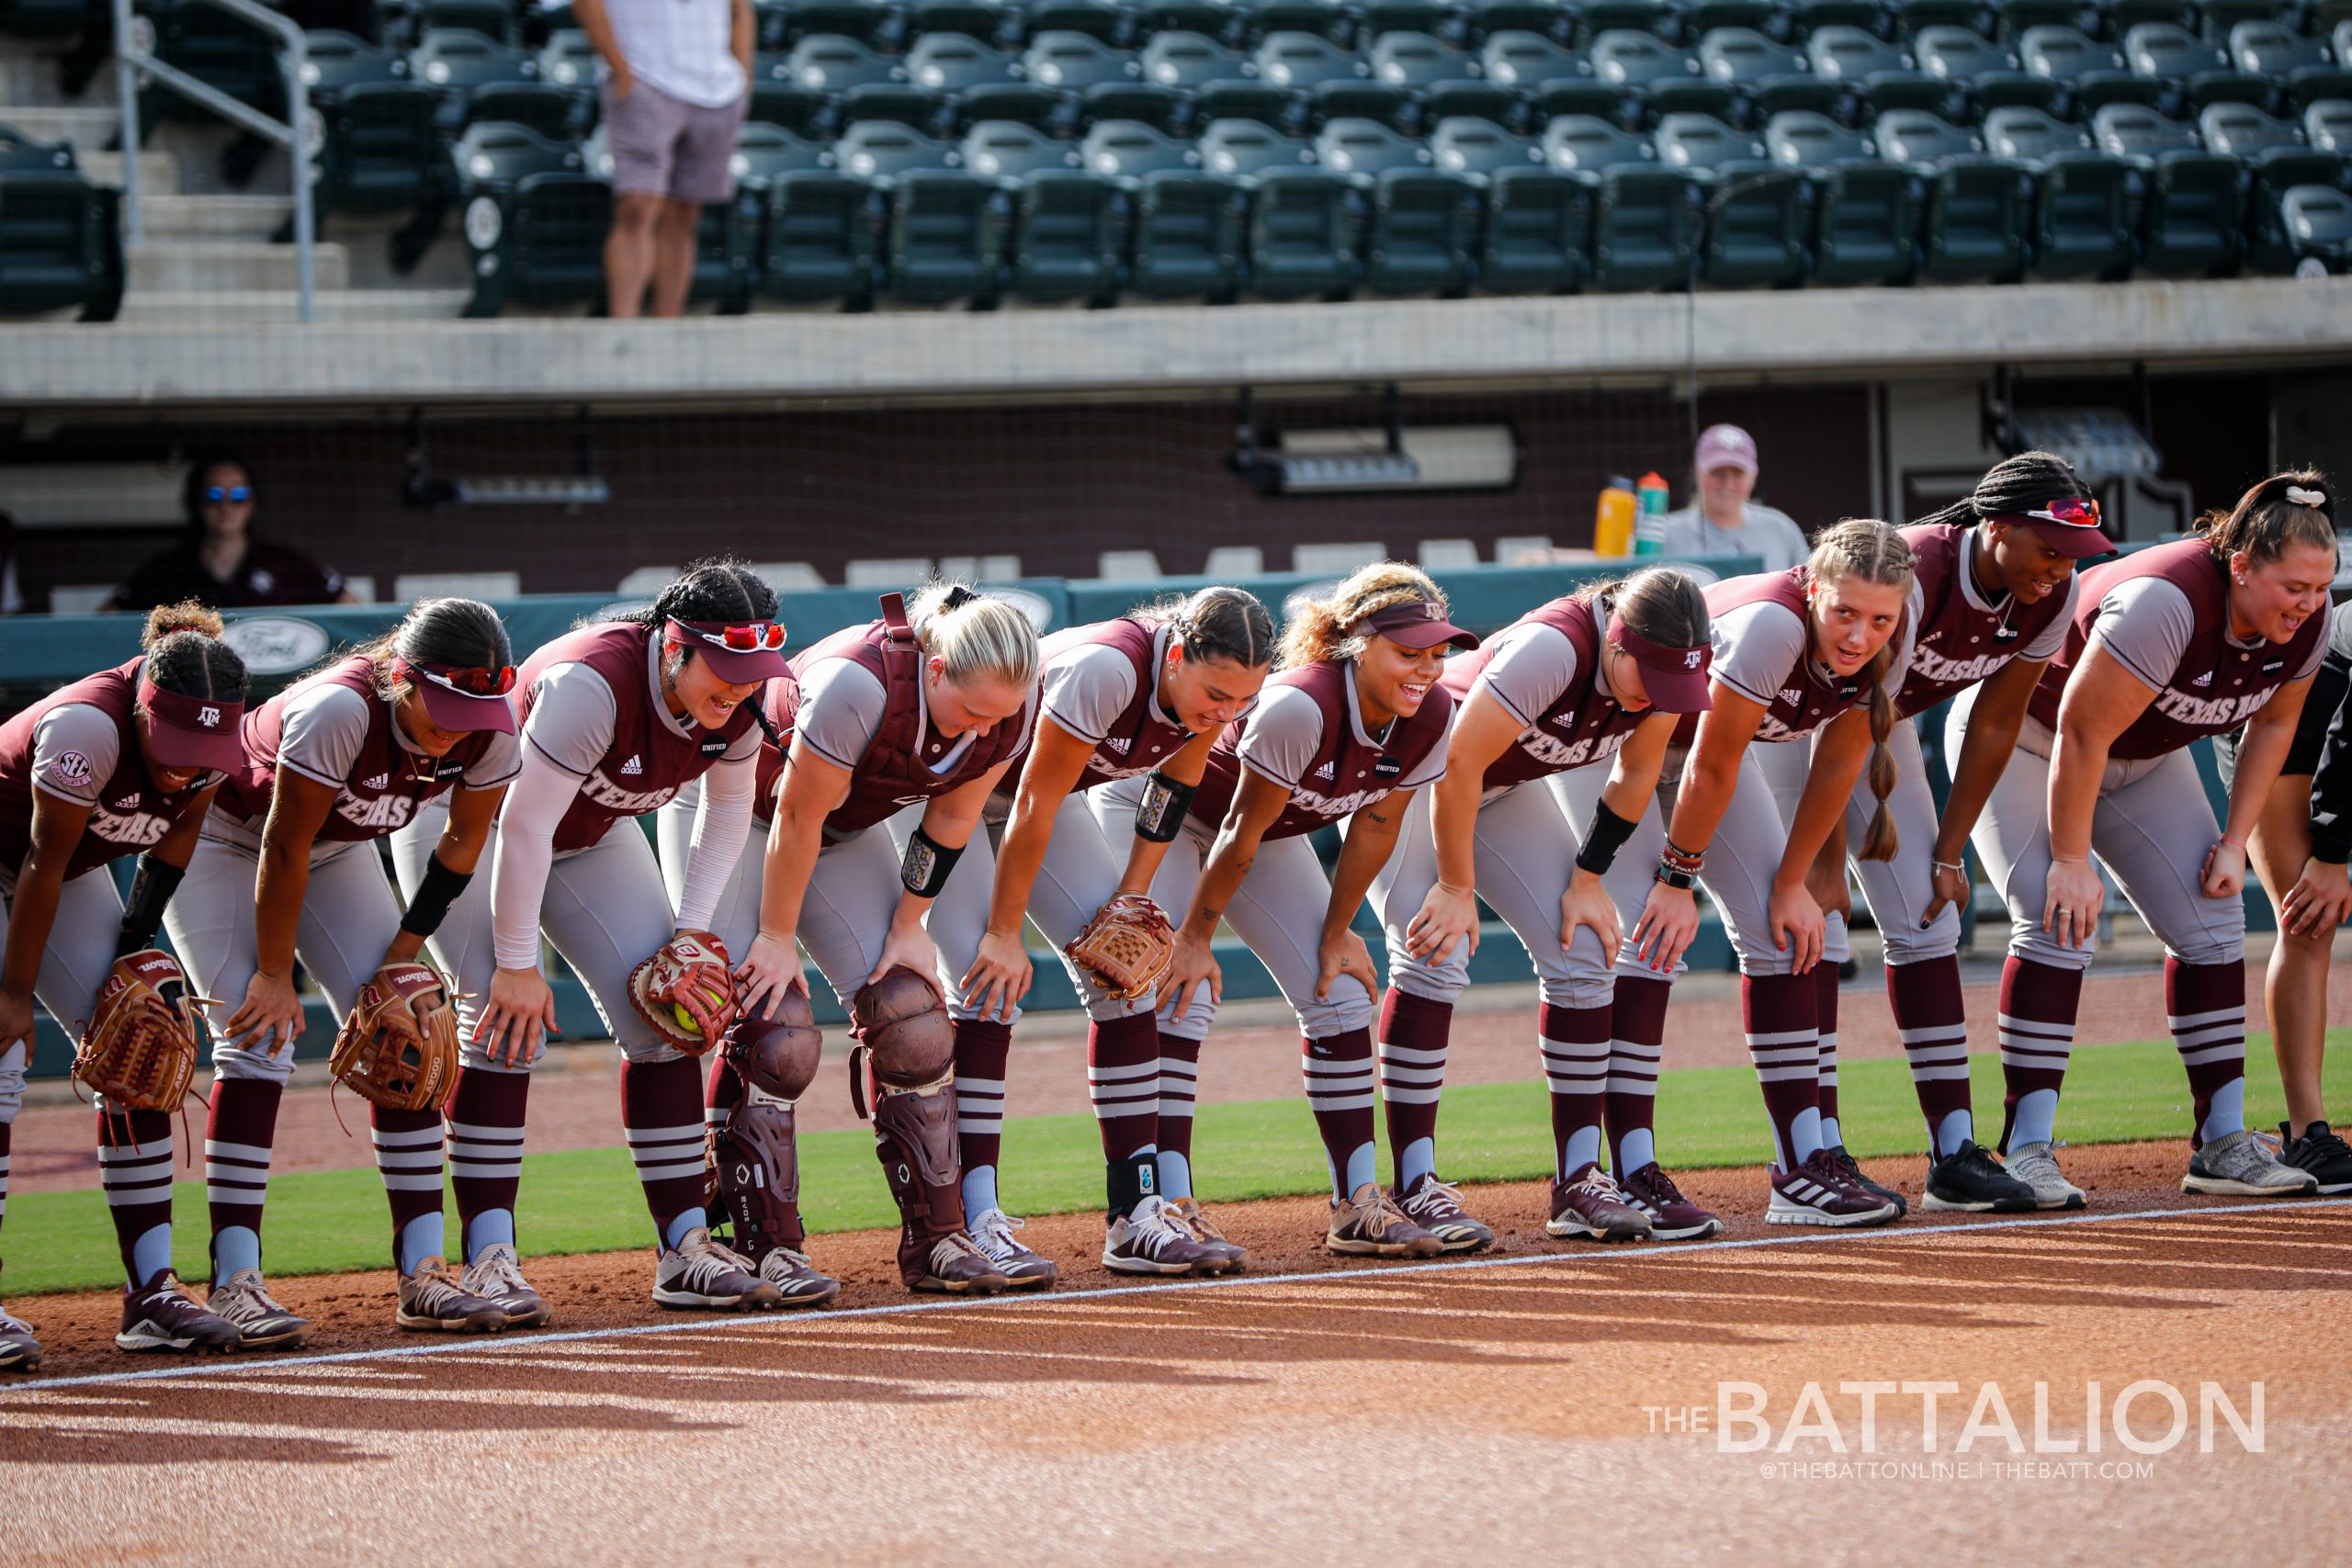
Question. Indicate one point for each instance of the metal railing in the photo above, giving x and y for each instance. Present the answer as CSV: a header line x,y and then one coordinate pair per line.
x,y
135,62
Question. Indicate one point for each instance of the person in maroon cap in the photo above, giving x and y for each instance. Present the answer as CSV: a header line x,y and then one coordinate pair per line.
x,y
1355,721
615,717
288,867
124,762
1588,687
1724,518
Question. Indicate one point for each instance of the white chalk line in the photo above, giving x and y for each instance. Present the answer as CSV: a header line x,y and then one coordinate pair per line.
x,y
521,1345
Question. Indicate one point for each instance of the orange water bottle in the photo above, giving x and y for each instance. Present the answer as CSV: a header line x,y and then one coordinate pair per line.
x,y
1649,525
1612,523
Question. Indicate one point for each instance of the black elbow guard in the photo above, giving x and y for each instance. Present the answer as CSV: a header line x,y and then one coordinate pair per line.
x,y
1160,815
1602,839
927,864
151,889
435,894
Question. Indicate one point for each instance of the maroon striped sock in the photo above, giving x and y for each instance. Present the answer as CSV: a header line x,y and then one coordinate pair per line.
x,y
410,1156
2205,1007
1180,1077
1339,1073
1777,1012
1932,1022
1123,1082
662,1117
135,1167
2039,1003
240,1132
982,1046
1636,1042
1413,1037
6,1130
1575,1069
486,1153
1824,1023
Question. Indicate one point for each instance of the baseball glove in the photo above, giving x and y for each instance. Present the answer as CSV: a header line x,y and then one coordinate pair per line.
x,y
687,991
399,1047
140,1048
1128,946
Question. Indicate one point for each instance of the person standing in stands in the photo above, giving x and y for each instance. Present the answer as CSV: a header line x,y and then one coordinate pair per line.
x,y
677,79
1722,520
220,564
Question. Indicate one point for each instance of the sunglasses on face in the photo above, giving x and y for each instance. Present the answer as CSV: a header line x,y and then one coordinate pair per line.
x,y
235,493
474,683
2072,512
768,635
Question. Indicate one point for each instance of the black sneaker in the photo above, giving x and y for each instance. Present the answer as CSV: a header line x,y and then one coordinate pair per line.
x,y
2320,1152
1845,1166
1971,1181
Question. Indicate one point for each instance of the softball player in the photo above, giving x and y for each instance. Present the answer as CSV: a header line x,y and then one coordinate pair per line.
x,y
2171,643
288,867
1993,596
1141,697
615,718
1354,723
2298,847
917,716
1821,647
123,761
1589,685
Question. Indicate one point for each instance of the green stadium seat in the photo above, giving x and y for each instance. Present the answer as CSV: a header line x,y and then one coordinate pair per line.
x,y
1553,19
2317,220
534,216
1664,78
2114,19
982,82
1076,62
777,97
946,235
51,18
1773,77
1223,82
838,65
2327,125
2193,224
480,78
492,18
1914,16
2309,68
380,148
1222,21
1880,73
1538,234
2219,18
60,240
1306,223
1069,227
1423,231
1106,21
1978,205
1809,17
224,52
2086,203
1867,211
2014,16
1437,18
2196,70
1556,81
1759,214
1988,72
821,228
1703,17
1450,83
2278,157
1188,225
877,24
1336,83
985,21
2093,74
568,59
1660,18
1335,19
1168,109
1646,215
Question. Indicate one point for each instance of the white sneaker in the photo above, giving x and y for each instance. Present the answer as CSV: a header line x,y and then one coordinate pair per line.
x,y
2036,1165
699,1273
2237,1166
792,1273
497,1277
992,1230
262,1324
1154,1240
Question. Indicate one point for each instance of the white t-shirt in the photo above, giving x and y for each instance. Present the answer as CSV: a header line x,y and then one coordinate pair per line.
x,y
1773,535
682,47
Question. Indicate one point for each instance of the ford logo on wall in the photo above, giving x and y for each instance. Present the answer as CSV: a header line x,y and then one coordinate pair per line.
x,y
276,645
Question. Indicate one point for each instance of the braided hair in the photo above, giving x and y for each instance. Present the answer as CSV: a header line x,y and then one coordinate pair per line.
x,y
1659,603
1862,549
1216,622
2015,485
185,655
718,588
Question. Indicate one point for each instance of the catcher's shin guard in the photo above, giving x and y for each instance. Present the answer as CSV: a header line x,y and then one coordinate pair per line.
x,y
754,1158
908,1043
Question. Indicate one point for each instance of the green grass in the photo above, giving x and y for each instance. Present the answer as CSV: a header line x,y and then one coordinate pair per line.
x,y
588,1199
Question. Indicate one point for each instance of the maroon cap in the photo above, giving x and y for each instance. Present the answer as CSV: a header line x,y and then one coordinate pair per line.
x,y
192,732
1675,678
737,652
463,699
1416,623
2068,526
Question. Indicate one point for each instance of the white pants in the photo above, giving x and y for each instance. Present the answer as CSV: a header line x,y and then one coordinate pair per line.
x,y
350,914
74,966
1898,889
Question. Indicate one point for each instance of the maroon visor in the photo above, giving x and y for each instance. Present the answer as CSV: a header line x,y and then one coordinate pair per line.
x,y
1415,624
1675,678
461,699
192,732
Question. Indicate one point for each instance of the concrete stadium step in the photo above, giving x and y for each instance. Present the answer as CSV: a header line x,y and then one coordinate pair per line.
x,y
159,173
29,75
89,130
253,217
232,308
228,266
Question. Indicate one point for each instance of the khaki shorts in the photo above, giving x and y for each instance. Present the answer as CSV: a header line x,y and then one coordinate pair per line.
x,y
668,147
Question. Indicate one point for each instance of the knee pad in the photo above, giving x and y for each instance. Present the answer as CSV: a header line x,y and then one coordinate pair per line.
x,y
777,1056
757,1163
905,1033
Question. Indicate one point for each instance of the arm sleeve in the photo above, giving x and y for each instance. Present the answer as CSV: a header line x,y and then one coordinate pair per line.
x,y
499,762
543,792
324,728
75,749
722,818
1281,736
841,707
2053,636
1756,647
1087,689
2145,623
572,718
1532,668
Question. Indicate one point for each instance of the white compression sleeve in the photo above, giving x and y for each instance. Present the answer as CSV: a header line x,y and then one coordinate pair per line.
x,y
542,792
722,821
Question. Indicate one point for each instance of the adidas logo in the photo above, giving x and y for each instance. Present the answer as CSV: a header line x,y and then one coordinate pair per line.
x,y
1119,744
1791,695
379,781
634,765
2204,679
1324,771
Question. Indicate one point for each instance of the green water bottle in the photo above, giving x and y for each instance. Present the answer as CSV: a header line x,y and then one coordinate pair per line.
x,y
1649,523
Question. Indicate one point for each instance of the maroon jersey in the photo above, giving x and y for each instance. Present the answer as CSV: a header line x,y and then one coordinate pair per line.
x,y
388,782
891,775
1582,728
1807,695
647,763
1137,740
1957,644
1344,775
131,814
2215,687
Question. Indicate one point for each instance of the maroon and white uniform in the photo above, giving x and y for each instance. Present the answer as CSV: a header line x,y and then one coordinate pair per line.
x,y
334,729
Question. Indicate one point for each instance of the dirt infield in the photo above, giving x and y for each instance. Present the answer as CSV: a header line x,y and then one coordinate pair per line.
x,y
1530,1406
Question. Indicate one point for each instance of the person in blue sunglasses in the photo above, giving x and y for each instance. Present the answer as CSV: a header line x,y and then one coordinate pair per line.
x,y
220,562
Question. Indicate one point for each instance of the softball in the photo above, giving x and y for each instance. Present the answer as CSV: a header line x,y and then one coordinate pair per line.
x,y
687,1020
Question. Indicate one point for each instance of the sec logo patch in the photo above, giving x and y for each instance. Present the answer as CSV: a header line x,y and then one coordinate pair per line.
x,y
71,767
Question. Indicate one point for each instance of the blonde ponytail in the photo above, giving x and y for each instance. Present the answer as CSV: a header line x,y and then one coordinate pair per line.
x,y
975,637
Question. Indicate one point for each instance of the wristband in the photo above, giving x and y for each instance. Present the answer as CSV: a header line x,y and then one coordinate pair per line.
x,y
1673,875
436,892
1603,838
1948,865
1160,814
151,889
924,870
